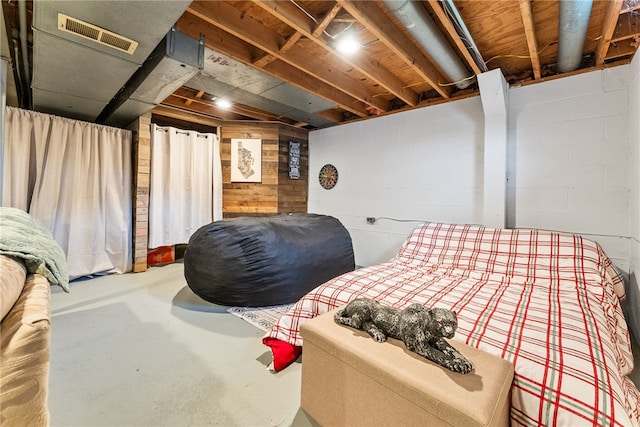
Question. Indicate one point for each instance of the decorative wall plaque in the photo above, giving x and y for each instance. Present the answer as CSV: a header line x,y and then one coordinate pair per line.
x,y
294,160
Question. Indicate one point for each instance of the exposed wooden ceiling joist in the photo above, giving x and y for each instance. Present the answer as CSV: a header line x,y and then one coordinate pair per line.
x,y
453,34
377,22
186,115
326,20
303,23
530,32
238,110
612,13
253,32
223,42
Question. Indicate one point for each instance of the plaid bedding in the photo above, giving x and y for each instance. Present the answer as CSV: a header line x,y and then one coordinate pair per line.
x,y
547,302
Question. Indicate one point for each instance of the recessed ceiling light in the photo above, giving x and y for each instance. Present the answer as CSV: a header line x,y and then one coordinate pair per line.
x,y
223,103
348,45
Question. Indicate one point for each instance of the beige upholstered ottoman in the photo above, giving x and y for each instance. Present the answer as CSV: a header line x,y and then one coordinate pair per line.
x,y
348,379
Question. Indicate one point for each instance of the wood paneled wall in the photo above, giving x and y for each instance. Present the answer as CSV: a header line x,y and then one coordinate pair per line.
x,y
292,193
141,169
277,193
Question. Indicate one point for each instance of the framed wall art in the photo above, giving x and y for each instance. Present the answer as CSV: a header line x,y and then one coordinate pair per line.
x,y
294,160
246,160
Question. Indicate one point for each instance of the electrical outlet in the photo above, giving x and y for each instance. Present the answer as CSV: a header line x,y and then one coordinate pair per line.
x,y
371,220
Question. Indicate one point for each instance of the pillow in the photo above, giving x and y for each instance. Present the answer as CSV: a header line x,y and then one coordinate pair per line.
x,y
284,354
12,280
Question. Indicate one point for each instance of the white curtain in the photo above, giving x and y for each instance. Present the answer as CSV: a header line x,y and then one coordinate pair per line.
x,y
75,178
186,184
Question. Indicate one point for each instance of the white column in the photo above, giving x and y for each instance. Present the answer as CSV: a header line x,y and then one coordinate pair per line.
x,y
632,303
494,92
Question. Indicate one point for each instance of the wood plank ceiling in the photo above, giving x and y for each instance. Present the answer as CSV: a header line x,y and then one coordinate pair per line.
x,y
294,41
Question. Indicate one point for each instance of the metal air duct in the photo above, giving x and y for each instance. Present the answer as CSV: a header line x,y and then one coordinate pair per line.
x,y
174,61
420,25
22,13
572,29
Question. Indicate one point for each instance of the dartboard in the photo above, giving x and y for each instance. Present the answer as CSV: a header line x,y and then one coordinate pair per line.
x,y
328,176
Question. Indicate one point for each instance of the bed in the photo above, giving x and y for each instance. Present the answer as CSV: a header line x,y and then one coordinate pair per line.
x,y
547,302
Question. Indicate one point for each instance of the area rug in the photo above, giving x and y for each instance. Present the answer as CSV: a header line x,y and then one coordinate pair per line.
x,y
261,317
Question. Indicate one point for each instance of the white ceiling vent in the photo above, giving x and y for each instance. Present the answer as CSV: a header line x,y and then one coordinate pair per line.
x,y
99,35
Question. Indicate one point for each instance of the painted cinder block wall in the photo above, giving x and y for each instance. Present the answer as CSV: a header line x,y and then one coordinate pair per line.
x,y
424,164
633,291
569,166
571,141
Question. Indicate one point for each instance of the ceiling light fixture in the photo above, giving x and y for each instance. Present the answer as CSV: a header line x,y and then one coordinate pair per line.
x,y
348,45
223,103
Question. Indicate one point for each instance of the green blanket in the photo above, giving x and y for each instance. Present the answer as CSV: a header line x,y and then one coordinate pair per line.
x,y
23,237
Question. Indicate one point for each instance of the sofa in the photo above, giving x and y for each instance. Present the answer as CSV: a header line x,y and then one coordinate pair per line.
x,y
30,262
24,345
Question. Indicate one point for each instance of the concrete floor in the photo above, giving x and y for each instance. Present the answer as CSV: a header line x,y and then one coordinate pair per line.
x,y
143,350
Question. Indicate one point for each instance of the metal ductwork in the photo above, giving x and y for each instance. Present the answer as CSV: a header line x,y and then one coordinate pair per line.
x,y
76,75
22,12
572,29
82,75
175,61
225,77
420,25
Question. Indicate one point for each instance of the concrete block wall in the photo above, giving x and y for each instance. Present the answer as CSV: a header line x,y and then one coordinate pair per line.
x,y
632,305
569,143
424,164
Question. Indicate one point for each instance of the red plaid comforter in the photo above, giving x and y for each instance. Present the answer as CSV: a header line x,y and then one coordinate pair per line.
x,y
547,302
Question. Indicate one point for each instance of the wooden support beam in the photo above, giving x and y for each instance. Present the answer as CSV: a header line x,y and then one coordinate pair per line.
x,y
298,20
611,15
333,115
186,115
374,19
628,27
219,40
234,22
264,60
268,58
530,31
209,110
451,31
198,95
210,107
291,41
326,20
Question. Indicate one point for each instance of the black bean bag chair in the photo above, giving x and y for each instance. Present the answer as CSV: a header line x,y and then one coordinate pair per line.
x,y
262,261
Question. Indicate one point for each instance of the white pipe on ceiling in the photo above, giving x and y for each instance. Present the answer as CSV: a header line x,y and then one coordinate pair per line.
x,y
420,25
572,29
